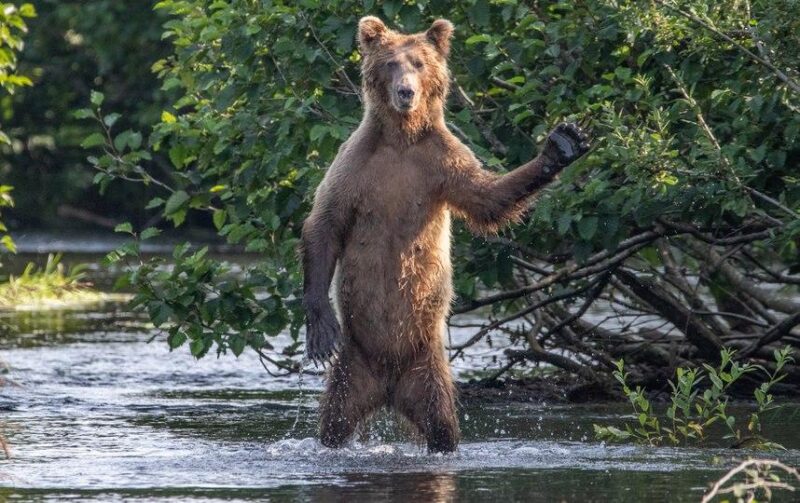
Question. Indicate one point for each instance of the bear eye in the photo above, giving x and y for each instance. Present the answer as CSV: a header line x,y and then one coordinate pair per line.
x,y
418,64
392,65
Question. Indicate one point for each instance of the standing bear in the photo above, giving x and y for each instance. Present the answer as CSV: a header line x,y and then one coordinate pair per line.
x,y
381,222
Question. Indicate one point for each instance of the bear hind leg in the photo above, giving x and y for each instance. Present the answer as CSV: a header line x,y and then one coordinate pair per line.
x,y
426,396
352,394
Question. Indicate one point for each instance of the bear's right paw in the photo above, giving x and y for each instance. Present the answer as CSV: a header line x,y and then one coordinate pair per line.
x,y
323,334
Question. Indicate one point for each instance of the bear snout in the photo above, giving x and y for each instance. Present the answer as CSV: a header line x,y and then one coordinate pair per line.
x,y
405,93
405,98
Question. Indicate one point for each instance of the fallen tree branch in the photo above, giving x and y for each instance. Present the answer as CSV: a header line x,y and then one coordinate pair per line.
x,y
496,324
595,264
774,334
739,281
671,309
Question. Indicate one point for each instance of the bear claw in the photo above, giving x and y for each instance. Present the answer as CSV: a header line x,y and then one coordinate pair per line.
x,y
566,143
323,335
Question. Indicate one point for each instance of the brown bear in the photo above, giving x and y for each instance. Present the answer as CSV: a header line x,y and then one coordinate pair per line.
x,y
381,221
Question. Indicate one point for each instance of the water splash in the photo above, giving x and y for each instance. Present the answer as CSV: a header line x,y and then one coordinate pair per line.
x,y
300,397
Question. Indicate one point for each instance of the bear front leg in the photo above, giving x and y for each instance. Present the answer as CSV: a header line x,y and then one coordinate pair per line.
x,y
487,200
352,395
426,396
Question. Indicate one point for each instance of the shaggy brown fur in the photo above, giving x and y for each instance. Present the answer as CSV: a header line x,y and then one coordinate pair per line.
x,y
381,219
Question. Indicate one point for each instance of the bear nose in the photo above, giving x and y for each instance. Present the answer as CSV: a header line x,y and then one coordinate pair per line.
x,y
405,93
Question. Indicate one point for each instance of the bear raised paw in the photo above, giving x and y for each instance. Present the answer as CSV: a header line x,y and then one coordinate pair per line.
x,y
379,231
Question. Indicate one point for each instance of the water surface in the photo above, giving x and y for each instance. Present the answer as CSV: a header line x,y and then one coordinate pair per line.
x,y
98,414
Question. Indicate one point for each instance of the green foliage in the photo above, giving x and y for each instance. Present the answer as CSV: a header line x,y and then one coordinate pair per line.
x,y
689,127
6,201
74,46
12,27
204,303
695,407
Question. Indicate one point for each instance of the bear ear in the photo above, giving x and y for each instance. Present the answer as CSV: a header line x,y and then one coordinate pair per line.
x,y
371,31
439,35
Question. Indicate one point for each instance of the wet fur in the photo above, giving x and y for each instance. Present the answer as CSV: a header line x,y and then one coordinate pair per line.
x,y
381,217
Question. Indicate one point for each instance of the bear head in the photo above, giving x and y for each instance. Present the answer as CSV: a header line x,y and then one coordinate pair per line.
x,y
405,76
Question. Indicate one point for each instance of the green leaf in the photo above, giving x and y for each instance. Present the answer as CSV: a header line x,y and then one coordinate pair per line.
x,y
564,223
121,140
160,313
175,202
154,203
27,10
148,233
587,227
176,340
111,119
135,140
83,113
219,217
93,140
96,98
178,155
480,13
476,39
178,217
237,344
124,227
197,347
8,243
317,132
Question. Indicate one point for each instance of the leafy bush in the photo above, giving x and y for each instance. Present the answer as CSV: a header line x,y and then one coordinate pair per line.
x,y
12,27
693,174
694,408
72,47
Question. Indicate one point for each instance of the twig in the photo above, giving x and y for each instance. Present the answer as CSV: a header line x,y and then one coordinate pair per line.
x,y
671,309
772,201
492,326
594,293
709,255
595,264
760,465
775,70
339,68
503,84
496,145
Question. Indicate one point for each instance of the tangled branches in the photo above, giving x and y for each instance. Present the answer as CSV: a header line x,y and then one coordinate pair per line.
x,y
701,290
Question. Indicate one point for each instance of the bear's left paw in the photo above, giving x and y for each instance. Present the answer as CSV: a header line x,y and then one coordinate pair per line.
x,y
323,334
566,143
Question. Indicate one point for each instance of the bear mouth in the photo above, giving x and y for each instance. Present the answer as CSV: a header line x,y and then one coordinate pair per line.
x,y
403,106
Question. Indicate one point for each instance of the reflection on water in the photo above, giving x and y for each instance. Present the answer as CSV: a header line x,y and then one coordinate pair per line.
x,y
100,415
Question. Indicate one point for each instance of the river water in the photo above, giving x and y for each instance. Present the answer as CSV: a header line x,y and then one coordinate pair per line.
x,y
96,413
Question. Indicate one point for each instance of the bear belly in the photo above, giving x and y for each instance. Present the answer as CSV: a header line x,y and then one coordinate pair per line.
x,y
393,296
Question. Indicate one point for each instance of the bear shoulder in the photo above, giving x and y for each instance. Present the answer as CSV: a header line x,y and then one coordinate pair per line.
x,y
453,154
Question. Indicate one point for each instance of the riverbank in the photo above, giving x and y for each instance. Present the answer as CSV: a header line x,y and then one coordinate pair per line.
x,y
52,286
